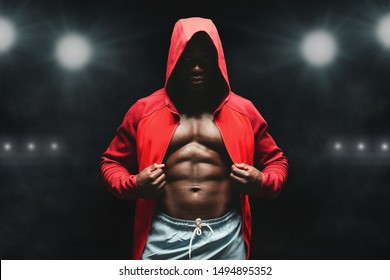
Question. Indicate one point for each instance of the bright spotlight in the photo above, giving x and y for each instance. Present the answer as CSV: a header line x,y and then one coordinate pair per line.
x,y
7,35
73,51
31,146
361,146
318,48
338,146
383,31
385,147
7,147
54,146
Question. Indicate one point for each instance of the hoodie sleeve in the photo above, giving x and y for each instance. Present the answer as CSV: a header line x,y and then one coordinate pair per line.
x,y
268,158
118,167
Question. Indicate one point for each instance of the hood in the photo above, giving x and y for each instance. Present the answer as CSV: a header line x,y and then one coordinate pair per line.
x,y
182,33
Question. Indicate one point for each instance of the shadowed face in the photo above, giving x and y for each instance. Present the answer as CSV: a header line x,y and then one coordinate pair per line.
x,y
198,63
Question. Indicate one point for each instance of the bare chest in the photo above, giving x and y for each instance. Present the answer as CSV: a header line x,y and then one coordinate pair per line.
x,y
200,129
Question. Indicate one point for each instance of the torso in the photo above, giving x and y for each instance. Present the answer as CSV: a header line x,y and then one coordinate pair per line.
x,y
197,167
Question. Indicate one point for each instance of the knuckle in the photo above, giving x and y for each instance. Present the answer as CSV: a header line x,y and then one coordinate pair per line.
x,y
151,178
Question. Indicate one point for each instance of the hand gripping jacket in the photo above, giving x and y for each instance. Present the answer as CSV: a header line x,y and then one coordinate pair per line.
x,y
144,135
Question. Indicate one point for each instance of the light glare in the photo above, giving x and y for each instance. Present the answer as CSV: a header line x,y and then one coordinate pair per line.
x,y
318,48
54,146
337,146
7,35
7,147
73,52
383,31
31,146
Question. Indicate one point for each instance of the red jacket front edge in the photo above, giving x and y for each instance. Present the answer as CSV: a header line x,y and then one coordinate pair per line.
x,y
146,130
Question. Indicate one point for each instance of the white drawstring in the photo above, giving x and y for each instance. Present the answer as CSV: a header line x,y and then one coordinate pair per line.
x,y
198,231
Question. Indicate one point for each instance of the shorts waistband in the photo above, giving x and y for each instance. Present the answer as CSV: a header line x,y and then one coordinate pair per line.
x,y
180,223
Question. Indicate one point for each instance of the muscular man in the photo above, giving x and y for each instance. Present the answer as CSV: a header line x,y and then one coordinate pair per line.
x,y
191,154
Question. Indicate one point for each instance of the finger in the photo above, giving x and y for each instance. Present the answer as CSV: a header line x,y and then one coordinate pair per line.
x,y
241,165
159,180
153,175
238,179
161,186
239,172
155,166
156,173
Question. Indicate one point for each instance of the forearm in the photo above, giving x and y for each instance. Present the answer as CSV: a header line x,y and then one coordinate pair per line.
x,y
118,180
274,177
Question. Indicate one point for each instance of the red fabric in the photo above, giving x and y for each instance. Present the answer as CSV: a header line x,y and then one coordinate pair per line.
x,y
147,128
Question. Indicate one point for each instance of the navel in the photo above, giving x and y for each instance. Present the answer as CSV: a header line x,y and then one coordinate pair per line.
x,y
195,189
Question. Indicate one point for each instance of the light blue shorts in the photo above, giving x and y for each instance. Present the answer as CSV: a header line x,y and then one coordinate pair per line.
x,y
177,239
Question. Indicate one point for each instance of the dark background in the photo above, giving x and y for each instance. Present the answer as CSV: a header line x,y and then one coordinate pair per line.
x,y
336,205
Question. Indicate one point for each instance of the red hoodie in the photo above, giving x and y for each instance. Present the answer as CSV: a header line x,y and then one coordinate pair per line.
x,y
145,133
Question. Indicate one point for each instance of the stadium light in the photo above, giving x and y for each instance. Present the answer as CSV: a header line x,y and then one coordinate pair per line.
x,y
338,146
7,147
383,31
318,48
31,146
361,146
7,35
73,51
54,146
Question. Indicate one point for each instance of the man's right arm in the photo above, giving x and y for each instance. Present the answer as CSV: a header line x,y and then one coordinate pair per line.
x,y
118,167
